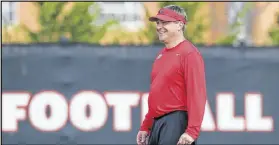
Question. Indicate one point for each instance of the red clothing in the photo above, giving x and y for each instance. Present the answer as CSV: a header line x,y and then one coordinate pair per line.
x,y
178,83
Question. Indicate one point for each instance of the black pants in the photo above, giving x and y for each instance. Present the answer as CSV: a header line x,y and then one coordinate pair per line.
x,y
167,129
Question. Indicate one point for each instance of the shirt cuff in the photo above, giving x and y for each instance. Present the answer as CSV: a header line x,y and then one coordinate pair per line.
x,y
144,129
191,134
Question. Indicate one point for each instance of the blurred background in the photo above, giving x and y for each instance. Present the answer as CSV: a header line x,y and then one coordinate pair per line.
x,y
211,23
107,49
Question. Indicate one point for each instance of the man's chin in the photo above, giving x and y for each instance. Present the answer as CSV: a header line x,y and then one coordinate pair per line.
x,y
162,40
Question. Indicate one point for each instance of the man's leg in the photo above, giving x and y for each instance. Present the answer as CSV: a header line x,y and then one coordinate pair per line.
x,y
174,126
153,136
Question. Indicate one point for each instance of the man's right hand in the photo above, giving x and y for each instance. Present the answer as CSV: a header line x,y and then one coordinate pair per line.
x,y
142,137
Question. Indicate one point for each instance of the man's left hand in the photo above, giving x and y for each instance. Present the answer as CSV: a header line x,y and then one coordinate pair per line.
x,y
185,139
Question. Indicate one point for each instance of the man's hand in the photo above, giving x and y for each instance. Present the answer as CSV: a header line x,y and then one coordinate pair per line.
x,y
142,137
185,139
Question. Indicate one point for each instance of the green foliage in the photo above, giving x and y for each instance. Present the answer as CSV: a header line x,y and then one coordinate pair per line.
x,y
5,34
77,24
234,27
195,27
150,30
274,32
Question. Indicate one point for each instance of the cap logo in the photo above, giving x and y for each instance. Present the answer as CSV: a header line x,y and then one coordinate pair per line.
x,y
161,12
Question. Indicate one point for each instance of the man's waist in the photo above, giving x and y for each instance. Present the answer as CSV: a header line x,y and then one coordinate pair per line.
x,y
159,111
169,113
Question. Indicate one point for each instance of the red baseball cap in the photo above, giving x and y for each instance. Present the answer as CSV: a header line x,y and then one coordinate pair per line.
x,y
165,14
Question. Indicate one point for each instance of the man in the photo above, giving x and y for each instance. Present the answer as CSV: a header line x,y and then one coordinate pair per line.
x,y
177,94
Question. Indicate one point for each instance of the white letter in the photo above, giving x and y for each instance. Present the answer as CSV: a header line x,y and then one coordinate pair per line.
x,y
12,111
227,121
144,106
98,111
208,123
58,111
122,103
253,114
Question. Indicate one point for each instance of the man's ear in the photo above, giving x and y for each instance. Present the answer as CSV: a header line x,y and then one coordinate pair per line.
x,y
181,25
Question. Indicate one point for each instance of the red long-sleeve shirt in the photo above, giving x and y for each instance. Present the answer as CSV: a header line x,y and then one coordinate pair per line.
x,y
178,83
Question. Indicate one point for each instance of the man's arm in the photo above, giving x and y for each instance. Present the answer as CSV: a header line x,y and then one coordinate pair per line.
x,y
147,123
196,92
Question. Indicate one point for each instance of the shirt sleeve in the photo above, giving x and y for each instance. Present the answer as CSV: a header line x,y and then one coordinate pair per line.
x,y
148,120
147,123
194,75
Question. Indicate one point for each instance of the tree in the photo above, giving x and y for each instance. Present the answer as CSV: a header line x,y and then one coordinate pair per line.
x,y
78,24
234,30
274,32
149,30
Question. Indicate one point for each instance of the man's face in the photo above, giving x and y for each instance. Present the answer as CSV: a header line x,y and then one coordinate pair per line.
x,y
167,30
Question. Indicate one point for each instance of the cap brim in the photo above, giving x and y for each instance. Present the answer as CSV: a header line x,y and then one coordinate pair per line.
x,y
161,17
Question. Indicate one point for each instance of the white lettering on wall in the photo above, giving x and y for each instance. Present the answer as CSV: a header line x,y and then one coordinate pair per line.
x,y
254,114
15,107
58,107
98,111
226,117
122,104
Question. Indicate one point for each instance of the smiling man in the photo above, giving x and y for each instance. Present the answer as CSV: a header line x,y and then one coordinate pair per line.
x,y
177,95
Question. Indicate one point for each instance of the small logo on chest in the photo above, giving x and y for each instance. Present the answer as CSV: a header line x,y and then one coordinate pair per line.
x,y
159,56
